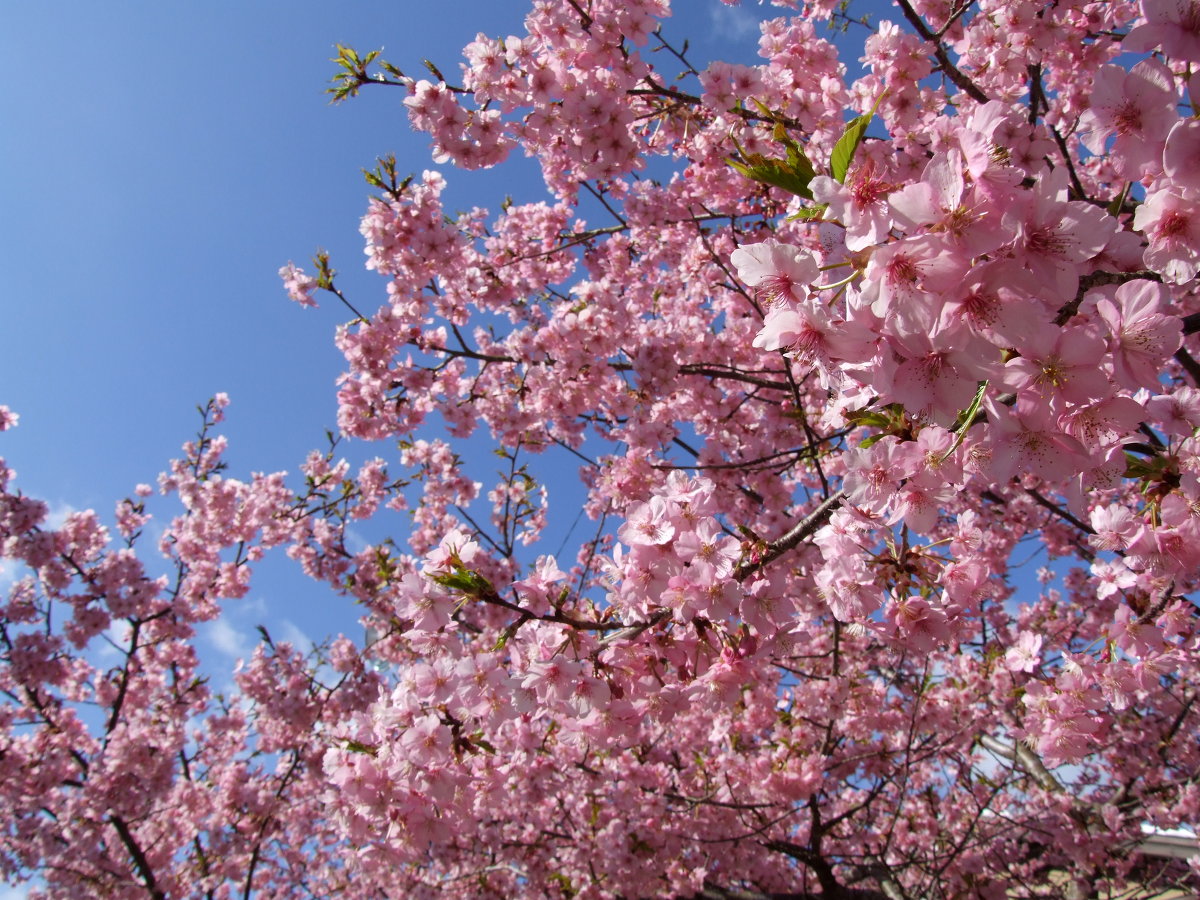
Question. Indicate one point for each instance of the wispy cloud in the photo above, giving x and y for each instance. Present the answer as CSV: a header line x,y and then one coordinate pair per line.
x,y
58,515
8,575
735,22
233,642
292,633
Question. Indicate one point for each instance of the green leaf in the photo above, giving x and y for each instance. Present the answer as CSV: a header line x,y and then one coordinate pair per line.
x,y
434,71
808,213
774,172
796,157
468,581
485,746
967,419
869,418
847,144
506,635
792,173
457,581
358,747
1118,202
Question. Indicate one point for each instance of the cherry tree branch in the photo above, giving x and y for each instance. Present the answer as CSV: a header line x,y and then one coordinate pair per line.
x,y
798,532
964,84
145,872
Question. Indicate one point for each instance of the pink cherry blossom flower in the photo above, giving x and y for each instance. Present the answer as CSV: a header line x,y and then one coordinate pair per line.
x,y
1172,26
1181,154
777,271
1177,413
649,523
904,276
455,549
1143,338
935,373
1112,577
1026,439
873,475
937,203
1068,740
861,206
299,286
1025,654
1136,105
1100,424
1060,364
809,333
1171,223
919,623
1056,235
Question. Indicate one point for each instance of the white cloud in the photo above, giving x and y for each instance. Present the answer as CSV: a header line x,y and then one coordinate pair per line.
x,y
293,634
229,640
58,514
14,892
732,21
8,577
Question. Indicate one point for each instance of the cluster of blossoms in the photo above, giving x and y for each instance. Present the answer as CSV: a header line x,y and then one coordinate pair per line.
x,y
829,386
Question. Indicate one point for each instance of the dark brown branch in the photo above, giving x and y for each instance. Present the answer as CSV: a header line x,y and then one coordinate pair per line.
x,y
1059,511
1100,279
802,529
1186,360
139,858
961,81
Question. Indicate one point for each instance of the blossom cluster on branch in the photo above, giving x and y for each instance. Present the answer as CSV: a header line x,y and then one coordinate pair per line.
x,y
831,357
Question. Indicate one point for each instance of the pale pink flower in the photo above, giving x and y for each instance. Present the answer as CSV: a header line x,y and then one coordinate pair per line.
x,y
1171,223
937,372
1181,154
1111,577
1172,26
1177,413
937,203
1067,740
455,549
777,271
917,505
649,523
1025,654
810,334
1026,439
1135,105
1060,364
299,286
905,275
918,623
1100,424
1143,338
861,206
1056,235
873,475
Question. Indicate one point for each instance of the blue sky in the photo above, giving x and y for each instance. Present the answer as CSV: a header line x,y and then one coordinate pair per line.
x,y
158,164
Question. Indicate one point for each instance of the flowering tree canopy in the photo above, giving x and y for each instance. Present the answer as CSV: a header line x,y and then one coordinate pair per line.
x,y
830,355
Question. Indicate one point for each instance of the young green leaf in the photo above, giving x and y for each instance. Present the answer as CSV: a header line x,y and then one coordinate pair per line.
x,y
847,144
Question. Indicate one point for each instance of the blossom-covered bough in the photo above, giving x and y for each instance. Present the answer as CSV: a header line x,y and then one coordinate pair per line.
x,y
831,358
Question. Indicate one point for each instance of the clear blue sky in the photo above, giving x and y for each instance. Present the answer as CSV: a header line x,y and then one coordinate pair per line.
x,y
158,163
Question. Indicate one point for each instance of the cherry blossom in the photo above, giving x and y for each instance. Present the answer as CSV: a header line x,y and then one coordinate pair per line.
x,y
829,407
